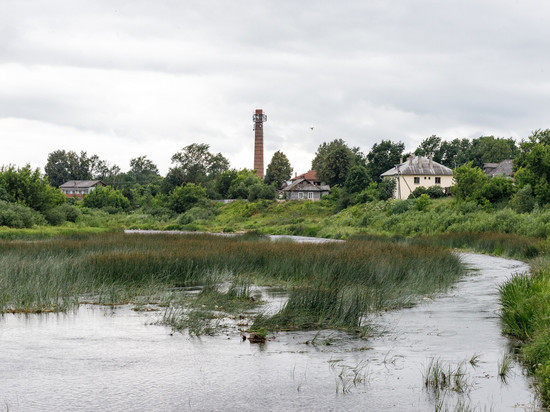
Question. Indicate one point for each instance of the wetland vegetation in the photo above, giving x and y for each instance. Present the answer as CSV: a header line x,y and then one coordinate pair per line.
x,y
331,285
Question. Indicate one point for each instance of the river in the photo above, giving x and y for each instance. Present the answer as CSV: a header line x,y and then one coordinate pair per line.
x,y
106,359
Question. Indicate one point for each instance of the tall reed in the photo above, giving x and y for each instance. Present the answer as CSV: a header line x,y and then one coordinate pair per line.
x,y
335,283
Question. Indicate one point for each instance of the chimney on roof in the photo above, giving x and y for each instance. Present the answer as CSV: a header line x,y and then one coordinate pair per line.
x,y
420,161
411,157
431,158
401,160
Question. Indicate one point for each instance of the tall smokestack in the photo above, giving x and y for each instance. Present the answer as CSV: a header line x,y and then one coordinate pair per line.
x,y
259,118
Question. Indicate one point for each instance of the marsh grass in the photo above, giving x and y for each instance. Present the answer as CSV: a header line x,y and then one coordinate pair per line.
x,y
332,285
439,376
347,377
505,366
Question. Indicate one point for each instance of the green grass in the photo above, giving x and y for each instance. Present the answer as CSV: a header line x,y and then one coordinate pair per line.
x,y
525,301
331,285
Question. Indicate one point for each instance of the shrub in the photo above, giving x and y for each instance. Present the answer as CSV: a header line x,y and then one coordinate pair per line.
x,y
524,201
18,216
102,197
183,198
422,202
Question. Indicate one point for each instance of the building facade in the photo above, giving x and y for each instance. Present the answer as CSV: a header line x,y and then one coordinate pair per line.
x,y
419,171
79,188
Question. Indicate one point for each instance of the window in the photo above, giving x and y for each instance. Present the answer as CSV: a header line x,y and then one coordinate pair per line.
x,y
438,180
310,195
416,180
300,195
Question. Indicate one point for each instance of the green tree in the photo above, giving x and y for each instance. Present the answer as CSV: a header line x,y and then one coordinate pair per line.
x,y
143,170
386,189
240,186
469,181
333,161
223,182
455,153
488,149
195,164
357,180
29,188
382,157
534,170
62,166
185,197
106,197
278,170
430,145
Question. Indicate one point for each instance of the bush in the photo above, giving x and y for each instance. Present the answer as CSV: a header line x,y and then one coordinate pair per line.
x,y
183,198
102,197
55,216
524,201
422,202
18,216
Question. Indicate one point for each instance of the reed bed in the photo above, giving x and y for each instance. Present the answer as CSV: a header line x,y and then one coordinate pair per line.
x,y
331,284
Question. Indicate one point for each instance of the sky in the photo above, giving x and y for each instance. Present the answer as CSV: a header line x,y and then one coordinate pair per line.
x,y
127,78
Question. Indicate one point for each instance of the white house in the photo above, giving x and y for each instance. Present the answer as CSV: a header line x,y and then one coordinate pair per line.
x,y
418,171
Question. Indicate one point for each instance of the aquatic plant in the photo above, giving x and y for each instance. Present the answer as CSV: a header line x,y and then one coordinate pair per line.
x,y
332,285
438,376
504,366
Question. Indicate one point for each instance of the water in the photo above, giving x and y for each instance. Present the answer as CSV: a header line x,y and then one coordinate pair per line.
x,y
107,359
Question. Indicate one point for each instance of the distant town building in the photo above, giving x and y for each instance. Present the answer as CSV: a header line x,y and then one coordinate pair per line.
x,y
504,168
418,171
305,189
79,188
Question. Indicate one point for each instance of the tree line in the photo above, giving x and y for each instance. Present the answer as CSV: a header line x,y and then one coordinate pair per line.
x,y
196,175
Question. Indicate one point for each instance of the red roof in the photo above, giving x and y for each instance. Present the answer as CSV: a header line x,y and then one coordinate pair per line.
x,y
311,175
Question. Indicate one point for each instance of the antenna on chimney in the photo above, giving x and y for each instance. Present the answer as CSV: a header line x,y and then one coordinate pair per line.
x,y
259,118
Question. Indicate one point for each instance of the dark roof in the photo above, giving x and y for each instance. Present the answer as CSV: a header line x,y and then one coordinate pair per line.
x,y
81,184
419,165
504,168
306,185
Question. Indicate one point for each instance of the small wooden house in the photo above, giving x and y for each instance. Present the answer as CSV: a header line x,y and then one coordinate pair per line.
x,y
79,188
305,189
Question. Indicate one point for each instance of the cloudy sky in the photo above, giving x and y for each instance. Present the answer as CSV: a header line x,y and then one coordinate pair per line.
x,y
125,78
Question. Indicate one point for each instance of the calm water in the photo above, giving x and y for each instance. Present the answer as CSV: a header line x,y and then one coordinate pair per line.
x,y
100,359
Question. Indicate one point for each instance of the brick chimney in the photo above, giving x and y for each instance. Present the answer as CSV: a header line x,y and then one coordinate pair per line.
x,y
259,118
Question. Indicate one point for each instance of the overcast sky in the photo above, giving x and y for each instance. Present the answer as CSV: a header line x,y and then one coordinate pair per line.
x,y
122,79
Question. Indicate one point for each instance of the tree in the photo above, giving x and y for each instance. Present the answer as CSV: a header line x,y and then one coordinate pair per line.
x,y
29,188
143,170
240,186
382,157
106,197
357,180
185,197
223,182
278,170
428,146
63,166
534,170
195,164
488,149
526,146
333,161
469,181
455,153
